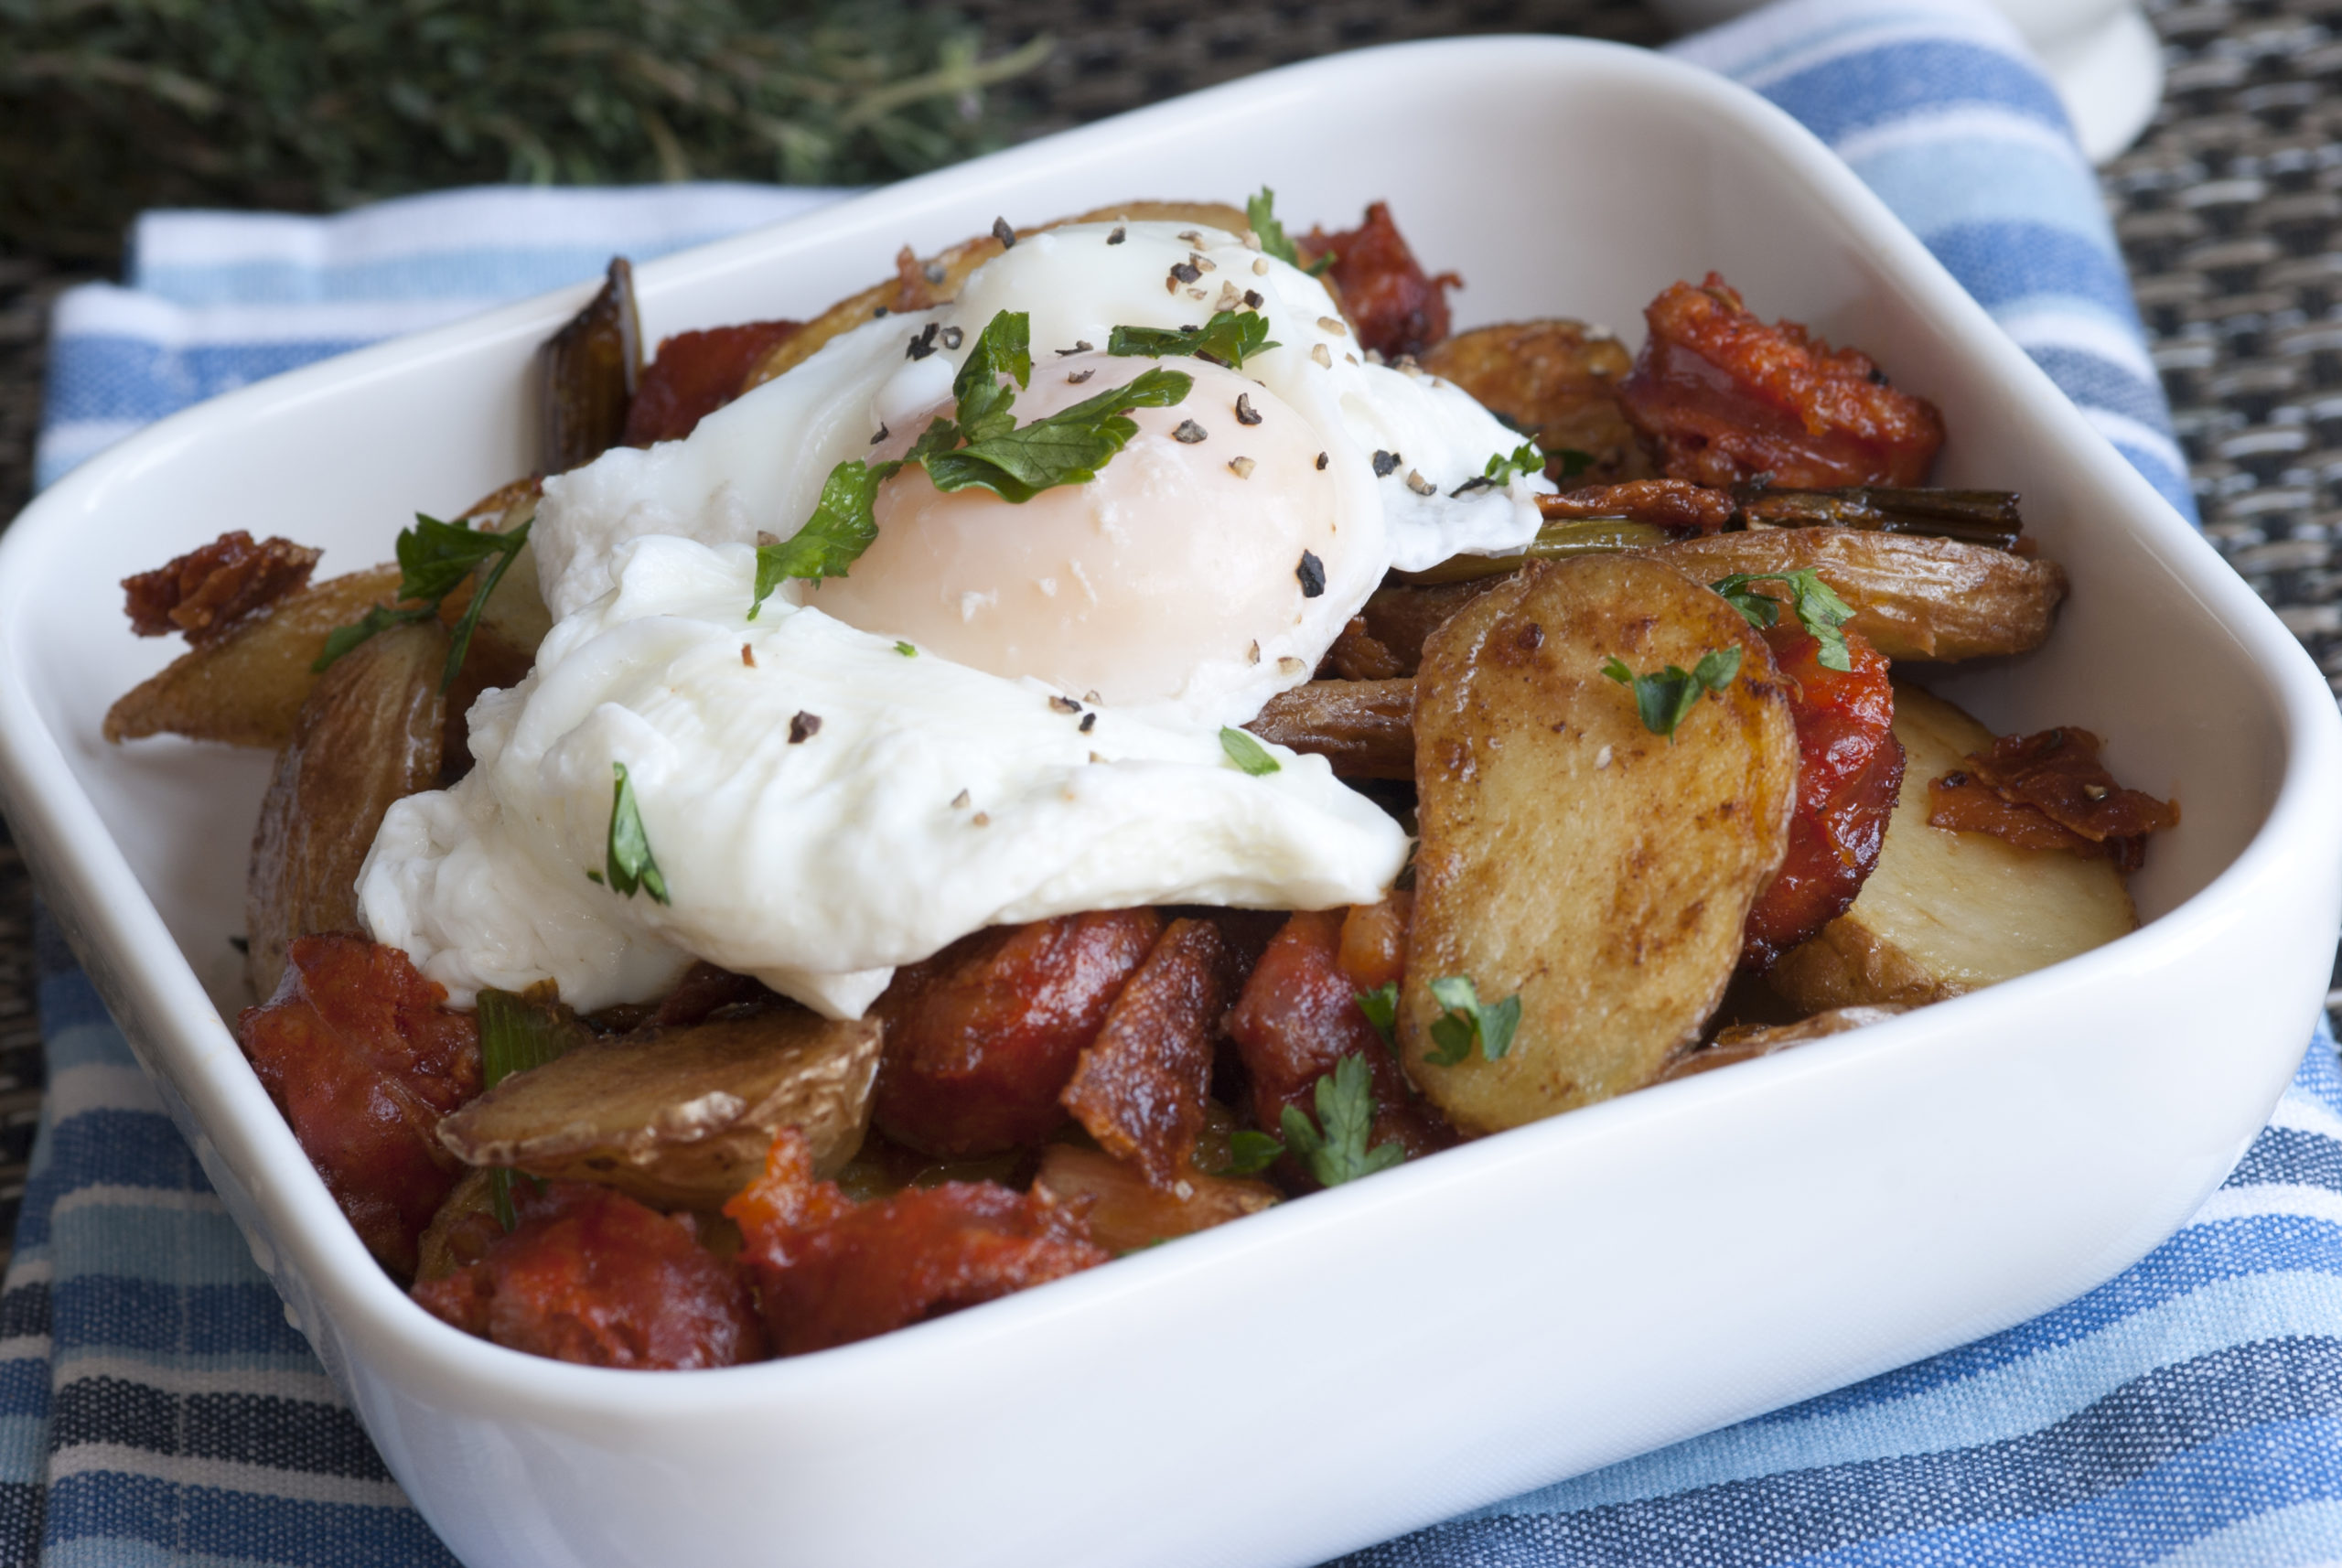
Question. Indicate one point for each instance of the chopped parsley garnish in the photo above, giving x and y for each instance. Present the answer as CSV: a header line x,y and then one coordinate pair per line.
x,y
435,558
980,446
1467,1023
1247,753
1380,1006
832,539
630,864
1230,338
1524,458
1067,448
1667,697
1334,1150
1250,1154
907,650
1261,213
1819,609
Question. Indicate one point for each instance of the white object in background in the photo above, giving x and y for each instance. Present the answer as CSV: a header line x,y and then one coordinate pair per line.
x,y
1551,1299
2102,56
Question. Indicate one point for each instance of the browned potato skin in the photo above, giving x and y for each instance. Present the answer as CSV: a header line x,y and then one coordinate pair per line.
x,y
1569,855
1554,379
921,283
1365,728
679,1118
370,734
1914,597
1746,1042
246,689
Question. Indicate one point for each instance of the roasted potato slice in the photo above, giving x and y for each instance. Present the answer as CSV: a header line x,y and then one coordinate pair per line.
x,y
1571,858
1914,597
1552,379
921,283
1949,912
1365,728
679,1118
369,733
245,689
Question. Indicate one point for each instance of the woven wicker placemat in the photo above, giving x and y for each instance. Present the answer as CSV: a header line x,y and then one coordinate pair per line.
x,y
2230,211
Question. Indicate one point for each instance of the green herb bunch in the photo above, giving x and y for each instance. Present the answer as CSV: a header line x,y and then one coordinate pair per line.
x,y
108,106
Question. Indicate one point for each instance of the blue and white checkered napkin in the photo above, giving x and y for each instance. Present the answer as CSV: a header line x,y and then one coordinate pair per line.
x,y
155,1410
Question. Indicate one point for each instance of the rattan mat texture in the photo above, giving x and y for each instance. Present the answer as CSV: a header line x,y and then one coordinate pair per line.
x,y
2230,211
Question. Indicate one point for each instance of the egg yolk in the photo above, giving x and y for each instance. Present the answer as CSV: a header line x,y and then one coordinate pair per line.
x,y
1185,551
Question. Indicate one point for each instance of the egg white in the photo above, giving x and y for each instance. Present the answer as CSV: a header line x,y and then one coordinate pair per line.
x,y
941,795
931,800
756,466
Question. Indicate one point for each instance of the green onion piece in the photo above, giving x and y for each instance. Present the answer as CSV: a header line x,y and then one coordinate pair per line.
x,y
1247,753
515,1034
1555,541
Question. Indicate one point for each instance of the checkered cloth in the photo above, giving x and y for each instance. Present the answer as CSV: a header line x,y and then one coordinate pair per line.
x,y
155,1409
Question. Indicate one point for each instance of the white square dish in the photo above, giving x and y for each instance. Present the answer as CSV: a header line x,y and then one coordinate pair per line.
x,y
1522,1308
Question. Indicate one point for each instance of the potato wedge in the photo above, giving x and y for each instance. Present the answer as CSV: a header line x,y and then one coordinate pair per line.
x,y
679,1118
246,689
1552,378
370,734
1365,728
921,283
1914,597
1571,857
1949,912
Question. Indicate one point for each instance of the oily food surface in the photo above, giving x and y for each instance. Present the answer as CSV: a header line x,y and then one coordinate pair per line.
x,y
1726,396
1571,856
1629,776
206,593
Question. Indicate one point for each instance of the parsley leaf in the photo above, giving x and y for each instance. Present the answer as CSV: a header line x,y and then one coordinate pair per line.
x,y
1467,1022
1229,338
1250,1154
1380,1006
1667,697
982,446
1574,462
840,530
434,557
629,863
1247,753
1068,447
1004,348
1261,213
1819,609
380,619
1522,459
1337,1153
